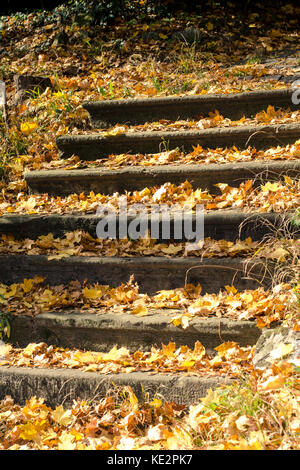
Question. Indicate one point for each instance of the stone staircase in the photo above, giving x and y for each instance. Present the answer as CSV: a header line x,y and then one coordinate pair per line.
x,y
102,331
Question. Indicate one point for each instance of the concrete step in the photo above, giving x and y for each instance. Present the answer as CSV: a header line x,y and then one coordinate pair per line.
x,y
102,330
219,225
151,273
138,111
94,146
204,176
59,386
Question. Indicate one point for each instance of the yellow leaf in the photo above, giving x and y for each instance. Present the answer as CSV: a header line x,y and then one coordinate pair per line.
x,y
86,357
12,292
176,320
140,311
231,289
172,249
188,364
27,285
134,401
156,403
29,204
145,192
28,127
115,354
61,416
288,180
66,441
199,350
209,26
273,187
279,254
33,349
60,256
28,431
78,436
168,350
230,349
181,320
93,294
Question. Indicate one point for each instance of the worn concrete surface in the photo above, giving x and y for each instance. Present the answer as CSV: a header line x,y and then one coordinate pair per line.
x,y
151,273
221,224
100,331
204,176
62,386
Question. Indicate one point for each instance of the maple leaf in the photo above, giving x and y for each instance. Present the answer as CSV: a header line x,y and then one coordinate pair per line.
x,y
115,354
66,441
279,253
93,293
273,187
61,416
28,285
230,350
172,249
140,310
34,348
169,349
28,431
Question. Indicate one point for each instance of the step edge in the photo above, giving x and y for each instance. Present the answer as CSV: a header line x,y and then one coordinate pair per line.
x,y
162,169
236,98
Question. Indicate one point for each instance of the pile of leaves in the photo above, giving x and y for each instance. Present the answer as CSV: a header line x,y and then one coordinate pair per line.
x,y
199,155
34,296
269,197
79,243
168,359
258,412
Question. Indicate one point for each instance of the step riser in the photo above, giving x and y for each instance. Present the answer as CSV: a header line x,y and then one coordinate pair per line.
x,y
62,386
100,332
219,225
107,113
63,183
151,274
94,146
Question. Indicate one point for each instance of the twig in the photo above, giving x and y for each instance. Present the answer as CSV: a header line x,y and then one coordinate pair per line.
x,y
263,132
218,266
